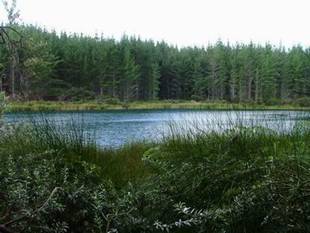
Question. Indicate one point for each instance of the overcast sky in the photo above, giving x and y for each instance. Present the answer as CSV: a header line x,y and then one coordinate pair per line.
x,y
180,22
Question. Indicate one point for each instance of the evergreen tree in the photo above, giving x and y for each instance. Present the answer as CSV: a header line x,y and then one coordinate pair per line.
x,y
71,66
13,43
130,76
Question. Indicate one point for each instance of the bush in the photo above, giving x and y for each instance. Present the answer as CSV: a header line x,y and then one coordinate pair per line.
x,y
78,94
110,100
43,193
303,102
273,101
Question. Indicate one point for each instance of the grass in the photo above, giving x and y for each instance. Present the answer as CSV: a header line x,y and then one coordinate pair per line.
x,y
70,140
43,106
242,179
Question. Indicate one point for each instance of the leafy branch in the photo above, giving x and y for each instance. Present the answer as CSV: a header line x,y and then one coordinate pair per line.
x,y
5,228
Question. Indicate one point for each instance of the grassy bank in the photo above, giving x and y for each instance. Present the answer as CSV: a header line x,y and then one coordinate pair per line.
x,y
110,105
250,180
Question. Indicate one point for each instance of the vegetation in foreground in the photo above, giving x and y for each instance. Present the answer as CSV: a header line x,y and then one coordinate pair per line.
x,y
55,179
113,104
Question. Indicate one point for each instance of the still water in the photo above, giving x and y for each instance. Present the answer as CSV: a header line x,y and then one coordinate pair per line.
x,y
115,128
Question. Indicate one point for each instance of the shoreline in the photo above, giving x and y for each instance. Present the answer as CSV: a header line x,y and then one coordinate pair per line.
x,y
55,106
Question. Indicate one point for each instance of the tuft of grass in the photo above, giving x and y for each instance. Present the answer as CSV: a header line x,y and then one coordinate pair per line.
x,y
122,165
41,135
70,140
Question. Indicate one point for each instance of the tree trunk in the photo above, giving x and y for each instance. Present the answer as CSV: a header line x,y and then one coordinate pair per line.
x,y
257,89
249,91
12,76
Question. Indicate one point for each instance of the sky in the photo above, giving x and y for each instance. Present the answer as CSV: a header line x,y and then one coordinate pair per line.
x,y
178,22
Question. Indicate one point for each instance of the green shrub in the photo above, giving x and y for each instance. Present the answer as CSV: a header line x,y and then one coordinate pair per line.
x,y
43,193
78,94
112,101
273,101
303,102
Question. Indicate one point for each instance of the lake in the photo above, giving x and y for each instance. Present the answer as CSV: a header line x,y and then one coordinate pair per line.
x,y
115,128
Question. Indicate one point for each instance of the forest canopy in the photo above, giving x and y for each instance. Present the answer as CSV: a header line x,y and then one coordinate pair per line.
x,y
63,66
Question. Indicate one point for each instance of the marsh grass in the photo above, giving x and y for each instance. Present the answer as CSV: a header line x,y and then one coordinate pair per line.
x,y
204,176
74,142
238,136
39,135
237,130
242,178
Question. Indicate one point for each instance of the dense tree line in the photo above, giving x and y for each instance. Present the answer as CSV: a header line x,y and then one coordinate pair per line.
x,y
68,67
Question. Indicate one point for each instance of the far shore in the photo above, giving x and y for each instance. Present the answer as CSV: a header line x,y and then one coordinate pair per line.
x,y
45,106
